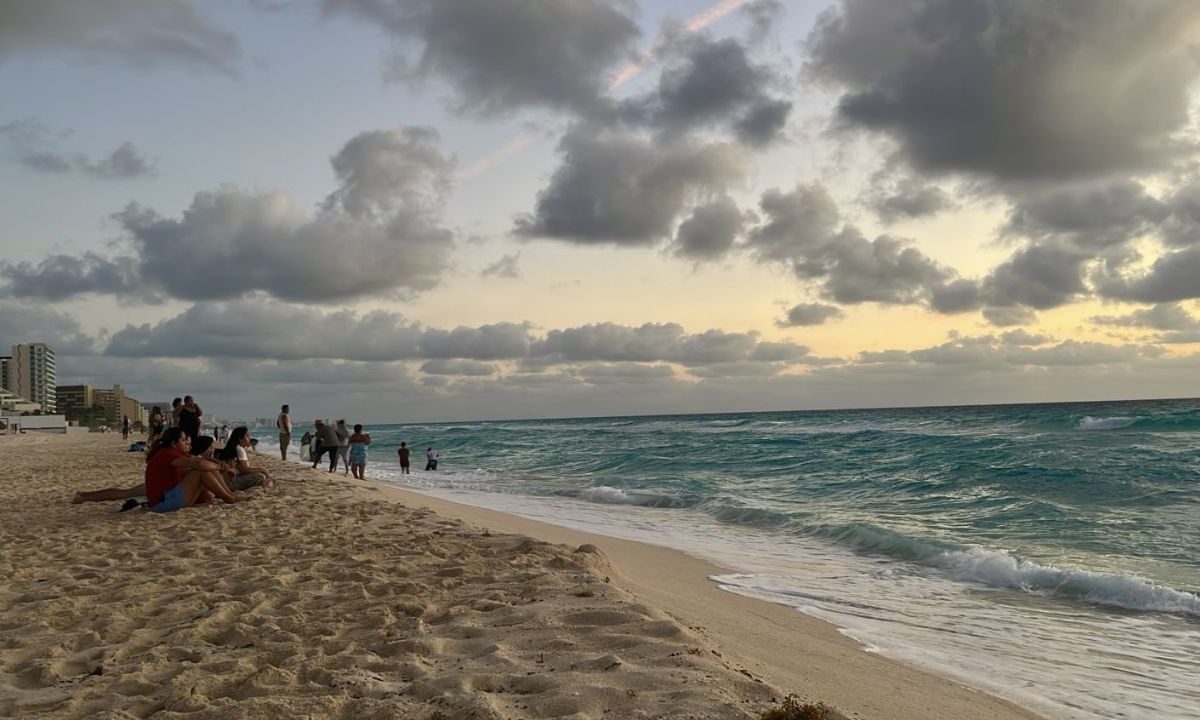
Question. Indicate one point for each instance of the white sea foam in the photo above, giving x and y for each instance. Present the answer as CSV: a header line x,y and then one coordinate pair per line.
x,y
999,568
1088,422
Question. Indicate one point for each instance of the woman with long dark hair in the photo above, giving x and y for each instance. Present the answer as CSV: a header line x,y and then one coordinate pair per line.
x,y
235,456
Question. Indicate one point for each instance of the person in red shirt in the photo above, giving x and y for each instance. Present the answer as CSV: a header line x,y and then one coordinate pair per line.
x,y
176,479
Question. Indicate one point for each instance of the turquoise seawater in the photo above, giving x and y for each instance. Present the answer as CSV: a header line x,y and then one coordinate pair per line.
x,y
1047,553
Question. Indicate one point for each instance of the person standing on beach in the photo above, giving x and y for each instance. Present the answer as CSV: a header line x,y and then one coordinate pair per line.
x,y
343,436
358,451
404,461
189,417
176,406
327,440
156,425
431,458
284,423
126,426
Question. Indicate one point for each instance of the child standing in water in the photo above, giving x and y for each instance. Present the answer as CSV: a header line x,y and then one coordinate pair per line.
x,y
358,451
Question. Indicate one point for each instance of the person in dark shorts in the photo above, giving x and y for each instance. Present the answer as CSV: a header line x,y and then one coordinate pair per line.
x,y
431,458
404,458
328,440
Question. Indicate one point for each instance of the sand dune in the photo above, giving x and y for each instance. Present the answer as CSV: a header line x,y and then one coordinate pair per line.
x,y
318,599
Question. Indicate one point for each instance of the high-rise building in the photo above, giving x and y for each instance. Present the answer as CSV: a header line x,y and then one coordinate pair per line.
x,y
30,373
92,404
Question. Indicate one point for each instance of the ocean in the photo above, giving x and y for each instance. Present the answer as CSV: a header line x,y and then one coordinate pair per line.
x,y
1045,553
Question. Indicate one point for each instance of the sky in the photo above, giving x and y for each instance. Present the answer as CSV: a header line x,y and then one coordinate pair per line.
x,y
425,210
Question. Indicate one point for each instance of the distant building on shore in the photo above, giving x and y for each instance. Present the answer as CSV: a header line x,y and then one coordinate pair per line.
x,y
92,405
30,373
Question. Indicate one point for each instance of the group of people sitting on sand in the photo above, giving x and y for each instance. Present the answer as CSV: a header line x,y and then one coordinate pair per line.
x,y
185,468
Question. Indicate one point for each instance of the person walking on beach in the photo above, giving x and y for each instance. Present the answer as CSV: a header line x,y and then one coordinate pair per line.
x,y
284,423
126,426
189,417
431,458
404,461
327,440
358,451
343,452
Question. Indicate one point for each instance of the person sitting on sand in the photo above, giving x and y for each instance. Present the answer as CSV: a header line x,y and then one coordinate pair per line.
x,y
175,479
201,476
234,456
358,451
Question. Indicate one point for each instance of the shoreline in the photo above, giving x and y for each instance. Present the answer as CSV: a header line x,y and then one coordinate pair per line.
x,y
331,597
813,650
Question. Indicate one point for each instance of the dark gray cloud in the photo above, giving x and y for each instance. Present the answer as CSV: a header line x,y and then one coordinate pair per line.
x,y
1174,276
1039,277
502,55
710,231
609,342
378,233
60,277
141,33
909,199
804,230
29,323
624,373
1022,337
35,147
616,188
711,83
468,368
808,314
1013,89
956,296
1009,316
506,267
1091,215
1164,316
277,331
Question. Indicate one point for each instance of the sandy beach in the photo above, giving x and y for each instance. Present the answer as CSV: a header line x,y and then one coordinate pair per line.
x,y
329,597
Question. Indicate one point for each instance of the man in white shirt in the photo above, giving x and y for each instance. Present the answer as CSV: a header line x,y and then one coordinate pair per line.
x,y
284,423
431,458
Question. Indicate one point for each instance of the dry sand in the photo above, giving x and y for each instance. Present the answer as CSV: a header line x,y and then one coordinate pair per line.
x,y
330,598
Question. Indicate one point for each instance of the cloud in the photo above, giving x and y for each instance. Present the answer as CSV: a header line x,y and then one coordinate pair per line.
x,y
141,33
1038,276
909,199
470,368
1013,89
60,277
383,170
653,342
711,83
617,188
763,16
710,231
506,267
504,55
803,229
1091,215
277,331
1164,316
28,323
1009,316
378,233
34,147
807,314
1174,276
1017,350
624,373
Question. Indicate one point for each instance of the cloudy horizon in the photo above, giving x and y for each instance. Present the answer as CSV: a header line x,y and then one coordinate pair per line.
x,y
408,210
